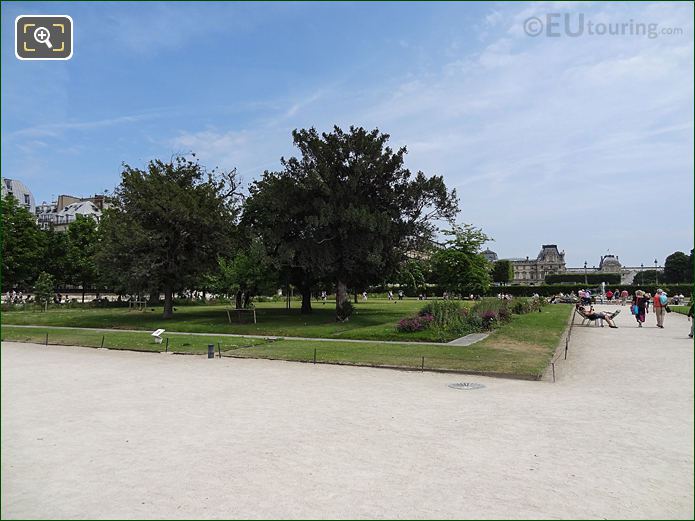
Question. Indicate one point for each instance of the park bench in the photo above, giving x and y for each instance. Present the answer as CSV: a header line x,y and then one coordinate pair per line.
x,y
138,305
239,312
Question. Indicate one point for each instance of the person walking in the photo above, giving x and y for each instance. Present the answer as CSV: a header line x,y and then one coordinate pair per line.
x,y
639,307
690,317
660,302
623,297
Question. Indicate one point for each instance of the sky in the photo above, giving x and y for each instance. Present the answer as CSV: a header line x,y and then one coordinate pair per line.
x,y
582,139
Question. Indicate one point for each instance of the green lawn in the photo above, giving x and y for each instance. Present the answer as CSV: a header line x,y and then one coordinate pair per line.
x,y
373,320
683,310
521,348
124,340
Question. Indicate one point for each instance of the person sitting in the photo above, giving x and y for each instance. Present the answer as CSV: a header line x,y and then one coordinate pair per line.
x,y
594,315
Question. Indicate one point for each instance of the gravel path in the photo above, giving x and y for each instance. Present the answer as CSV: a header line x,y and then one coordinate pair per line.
x,y
90,433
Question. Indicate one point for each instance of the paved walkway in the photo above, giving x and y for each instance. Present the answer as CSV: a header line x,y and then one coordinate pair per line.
x,y
463,341
111,434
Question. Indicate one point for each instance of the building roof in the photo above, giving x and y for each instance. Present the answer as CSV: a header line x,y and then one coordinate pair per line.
x,y
19,191
81,208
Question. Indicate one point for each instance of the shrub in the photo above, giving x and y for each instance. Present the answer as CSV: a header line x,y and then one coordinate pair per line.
x,y
504,314
444,317
446,313
488,304
520,306
548,289
489,317
416,323
578,278
474,322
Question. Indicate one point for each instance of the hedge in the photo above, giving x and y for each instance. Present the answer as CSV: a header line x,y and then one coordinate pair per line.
x,y
578,278
548,290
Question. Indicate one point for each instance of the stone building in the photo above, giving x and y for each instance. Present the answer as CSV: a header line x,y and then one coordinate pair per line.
x,y
60,213
489,255
533,271
19,191
609,264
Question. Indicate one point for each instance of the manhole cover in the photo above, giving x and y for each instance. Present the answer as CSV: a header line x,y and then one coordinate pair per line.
x,y
466,386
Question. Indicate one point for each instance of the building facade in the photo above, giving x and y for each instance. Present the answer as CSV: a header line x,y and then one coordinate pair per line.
x,y
533,271
60,213
19,191
489,255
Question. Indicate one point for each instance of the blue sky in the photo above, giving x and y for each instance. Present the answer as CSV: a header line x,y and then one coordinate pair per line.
x,y
586,142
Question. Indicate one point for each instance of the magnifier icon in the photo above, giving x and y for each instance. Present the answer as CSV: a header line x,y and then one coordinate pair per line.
x,y
43,35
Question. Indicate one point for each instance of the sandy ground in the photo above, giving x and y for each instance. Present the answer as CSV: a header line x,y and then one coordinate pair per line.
x,y
105,434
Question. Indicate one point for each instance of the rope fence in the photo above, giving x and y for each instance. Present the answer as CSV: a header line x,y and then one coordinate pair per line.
x,y
253,348
568,338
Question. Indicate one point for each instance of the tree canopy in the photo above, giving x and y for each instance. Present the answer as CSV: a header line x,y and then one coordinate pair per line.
x,y
22,245
81,252
169,225
502,271
347,209
460,267
678,267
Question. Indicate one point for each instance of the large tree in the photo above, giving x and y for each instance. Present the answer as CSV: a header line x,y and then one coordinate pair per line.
x,y
22,245
175,219
56,261
248,273
460,267
412,275
678,267
280,211
124,257
82,248
502,271
357,208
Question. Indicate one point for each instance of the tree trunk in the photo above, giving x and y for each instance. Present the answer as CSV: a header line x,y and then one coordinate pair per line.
x,y
168,302
83,294
306,300
154,297
237,302
355,296
341,297
247,299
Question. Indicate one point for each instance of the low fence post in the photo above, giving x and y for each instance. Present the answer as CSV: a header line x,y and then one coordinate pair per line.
x,y
567,345
553,365
46,338
314,355
422,367
166,348
219,350
102,340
